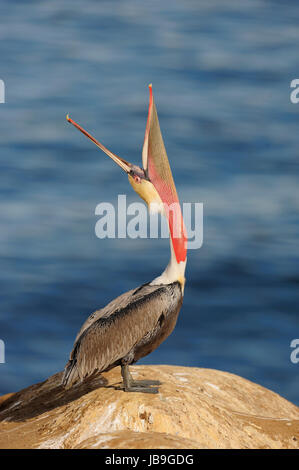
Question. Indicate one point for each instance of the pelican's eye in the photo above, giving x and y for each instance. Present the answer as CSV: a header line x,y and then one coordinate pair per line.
x,y
137,179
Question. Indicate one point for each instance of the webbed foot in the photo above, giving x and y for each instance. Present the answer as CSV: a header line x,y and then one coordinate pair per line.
x,y
145,383
142,389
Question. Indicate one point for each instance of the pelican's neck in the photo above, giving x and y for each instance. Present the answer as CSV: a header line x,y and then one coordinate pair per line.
x,y
174,271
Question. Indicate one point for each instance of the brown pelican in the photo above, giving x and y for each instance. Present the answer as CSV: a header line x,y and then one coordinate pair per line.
x,y
136,322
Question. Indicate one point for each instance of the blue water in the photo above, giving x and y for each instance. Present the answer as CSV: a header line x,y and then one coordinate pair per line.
x,y
221,73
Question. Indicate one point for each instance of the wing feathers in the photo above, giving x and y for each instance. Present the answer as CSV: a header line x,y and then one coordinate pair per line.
x,y
110,334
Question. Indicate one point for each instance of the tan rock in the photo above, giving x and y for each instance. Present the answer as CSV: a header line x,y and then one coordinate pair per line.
x,y
196,408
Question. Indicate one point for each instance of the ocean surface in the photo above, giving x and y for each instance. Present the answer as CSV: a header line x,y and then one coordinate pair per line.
x,y
221,74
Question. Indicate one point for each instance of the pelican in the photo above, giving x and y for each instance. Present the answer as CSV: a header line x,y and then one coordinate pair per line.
x,y
138,321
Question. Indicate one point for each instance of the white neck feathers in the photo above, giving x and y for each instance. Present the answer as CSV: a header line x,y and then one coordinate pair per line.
x,y
174,271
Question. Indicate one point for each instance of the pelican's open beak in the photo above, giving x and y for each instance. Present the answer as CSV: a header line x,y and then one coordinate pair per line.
x,y
156,165
120,161
153,183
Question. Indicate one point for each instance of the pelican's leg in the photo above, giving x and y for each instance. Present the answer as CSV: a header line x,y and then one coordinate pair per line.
x,y
142,386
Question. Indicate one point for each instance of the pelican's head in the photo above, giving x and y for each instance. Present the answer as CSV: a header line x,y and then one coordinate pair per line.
x,y
154,184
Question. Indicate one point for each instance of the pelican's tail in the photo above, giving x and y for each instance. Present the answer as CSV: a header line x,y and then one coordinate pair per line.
x,y
71,375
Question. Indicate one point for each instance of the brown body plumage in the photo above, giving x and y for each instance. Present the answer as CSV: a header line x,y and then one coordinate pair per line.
x,y
127,329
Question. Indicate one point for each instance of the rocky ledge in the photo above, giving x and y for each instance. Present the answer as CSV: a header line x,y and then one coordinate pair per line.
x,y
196,408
